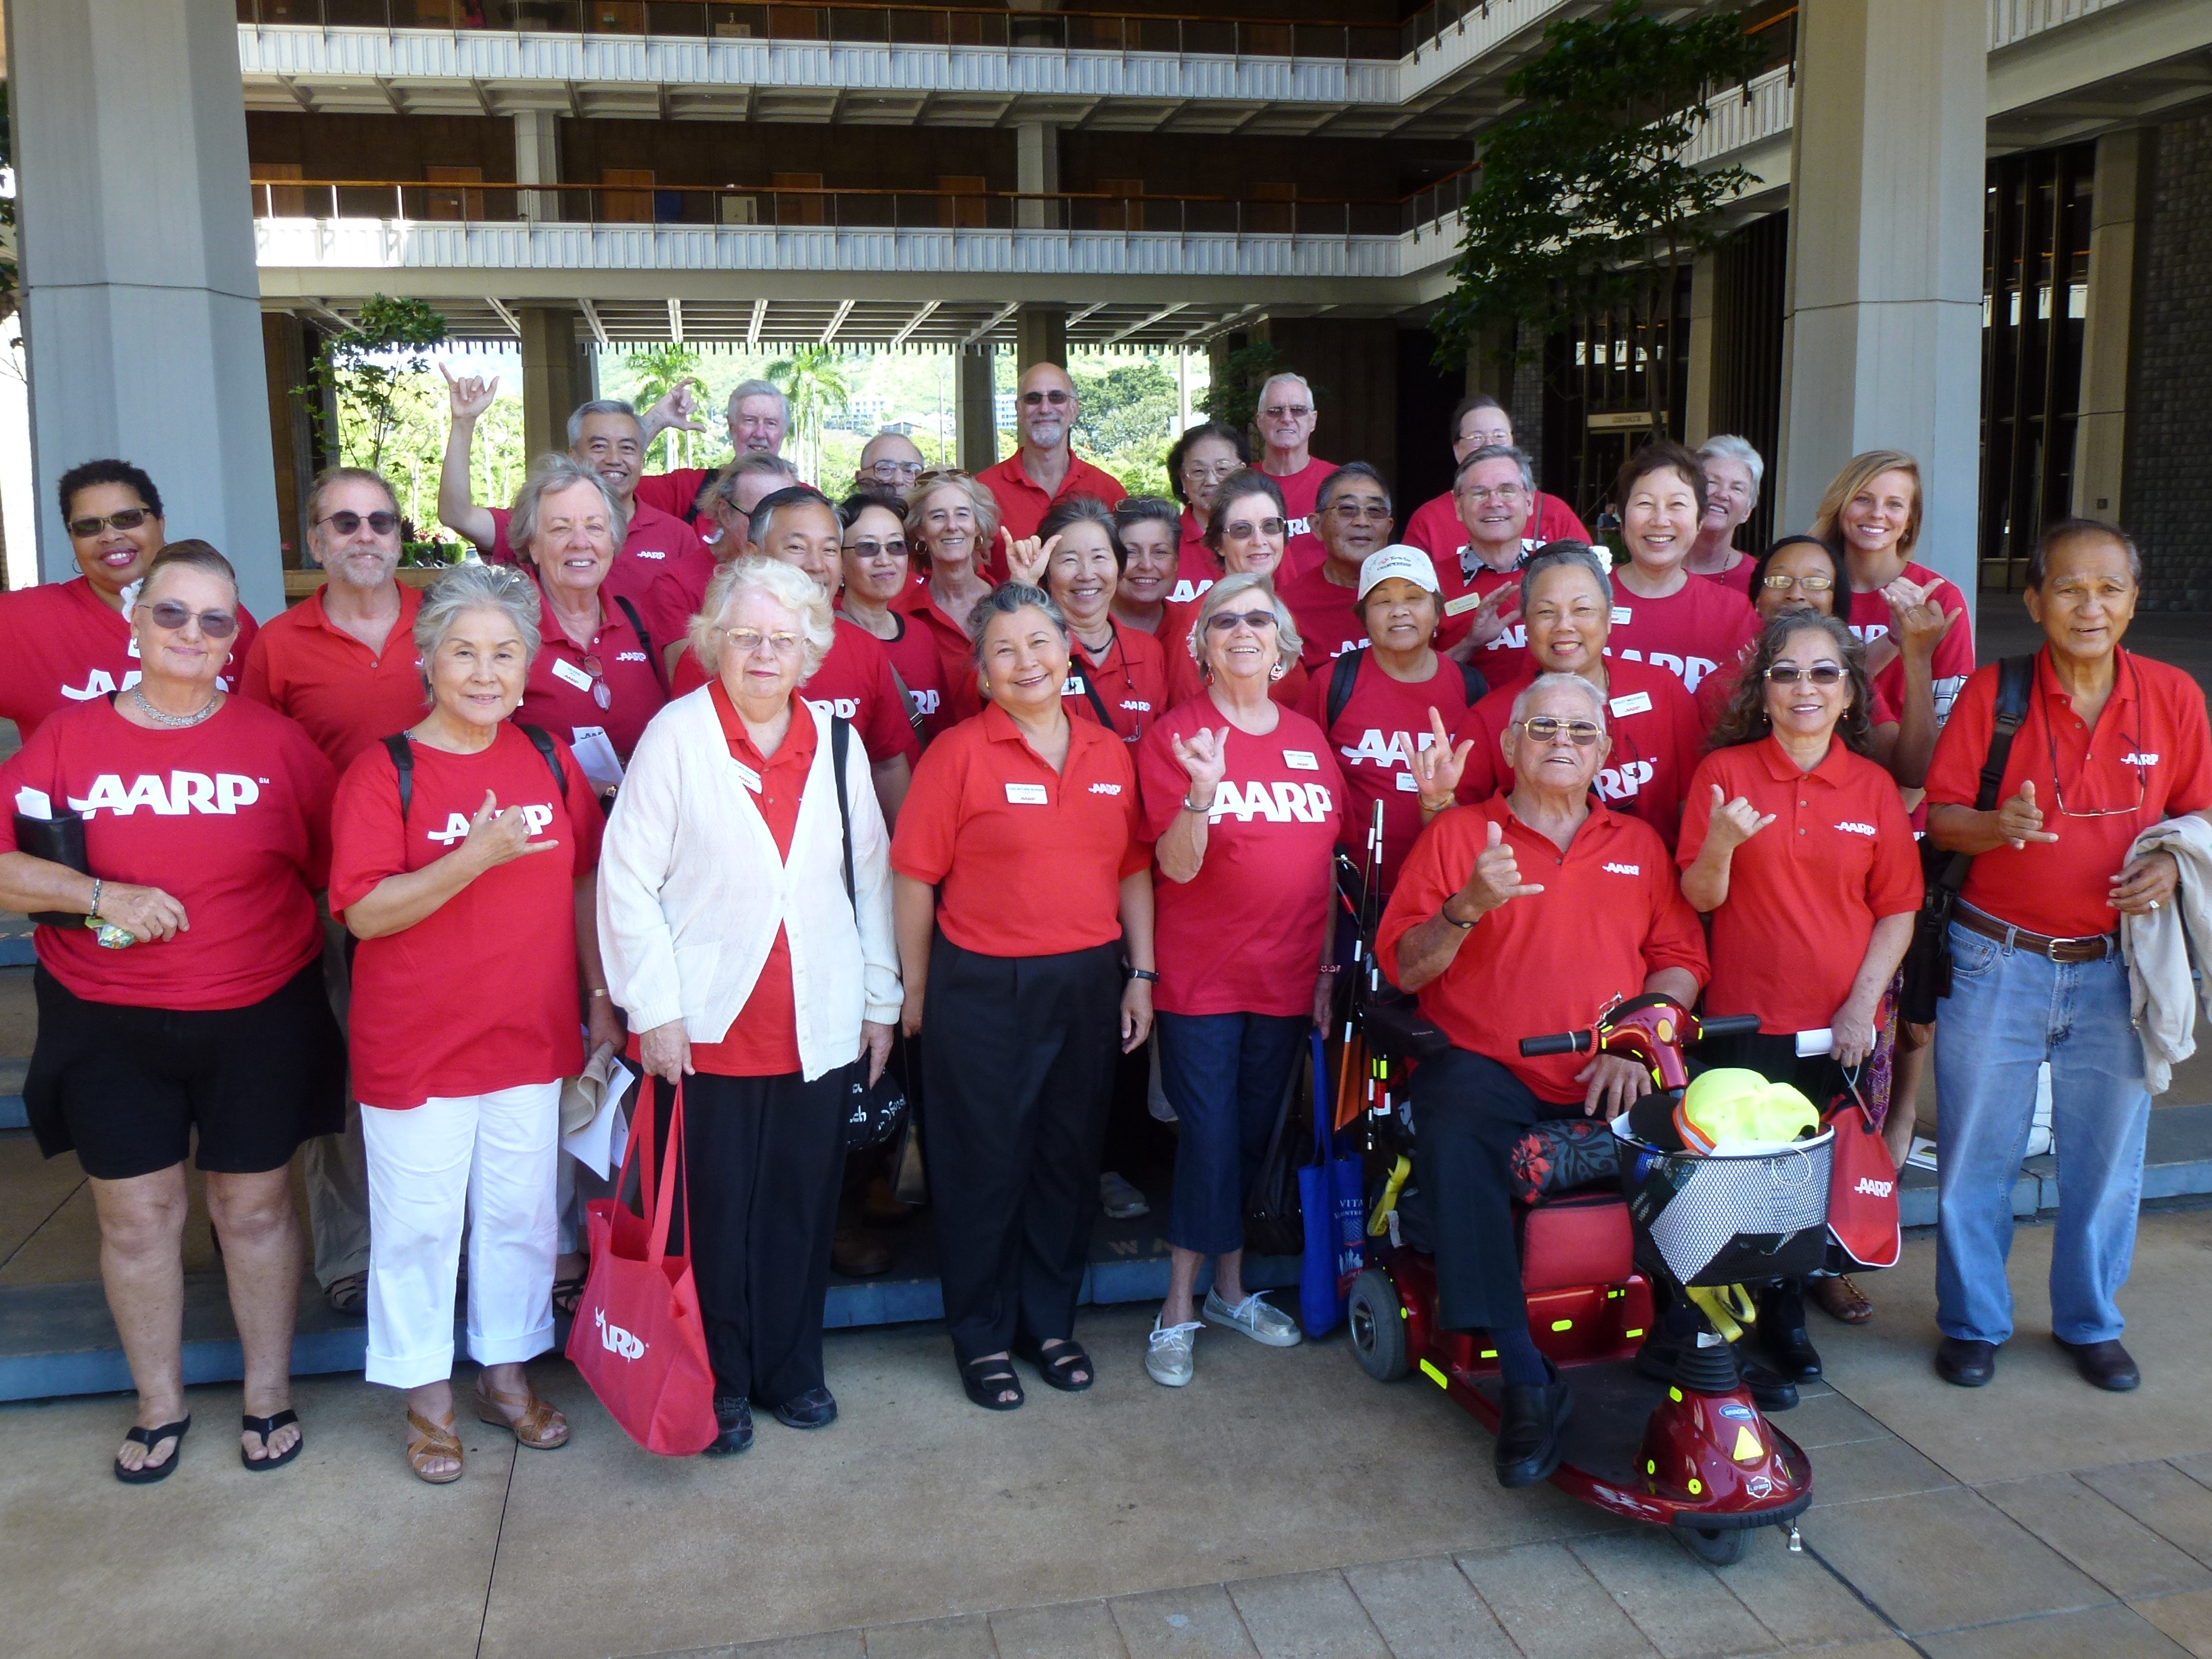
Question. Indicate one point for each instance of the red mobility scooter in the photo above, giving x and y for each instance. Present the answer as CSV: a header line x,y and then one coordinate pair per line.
x,y
1693,1452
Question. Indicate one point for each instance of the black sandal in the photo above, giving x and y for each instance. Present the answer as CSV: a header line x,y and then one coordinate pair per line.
x,y
147,1473
265,1426
985,1380
1057,1366
568,1296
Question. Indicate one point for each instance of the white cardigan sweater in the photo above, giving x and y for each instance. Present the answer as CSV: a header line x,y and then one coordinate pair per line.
x,y
691,892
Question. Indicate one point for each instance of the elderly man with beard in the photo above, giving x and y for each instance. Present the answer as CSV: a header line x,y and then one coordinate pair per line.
x,y
1351,512
1044,470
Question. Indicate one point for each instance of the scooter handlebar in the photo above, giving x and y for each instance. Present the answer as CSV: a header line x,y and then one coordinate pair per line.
x,y
1560,1042
1718,1025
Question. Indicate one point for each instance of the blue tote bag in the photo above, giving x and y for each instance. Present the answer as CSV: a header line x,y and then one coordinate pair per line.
x,y
1332,1189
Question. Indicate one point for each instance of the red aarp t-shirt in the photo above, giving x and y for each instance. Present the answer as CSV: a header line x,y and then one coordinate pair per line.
x,y
1329,624
1300,490
230,817
1196,569
345,695
1467,583
921,670
1384,722
1690,633
1736,577
61,644
854,682
1245,935
1436,529
1955,651
482,993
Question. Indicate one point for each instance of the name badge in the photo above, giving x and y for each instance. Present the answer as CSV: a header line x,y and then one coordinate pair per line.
x,y
1408,785
1637,703
1620,615
1300,760
1027,794
1461,606
747,776
565,669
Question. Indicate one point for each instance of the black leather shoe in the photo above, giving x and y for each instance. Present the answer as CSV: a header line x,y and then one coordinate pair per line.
x,y
815,1409
1780,1333
1530,1418
2105,1364
1771,1391
1965,1363
734,1418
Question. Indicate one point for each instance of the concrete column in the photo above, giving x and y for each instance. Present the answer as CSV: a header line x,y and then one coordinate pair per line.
x,y
1040,335
1036,166
974,403
19,486
1490,369
549,377
284,350
537,161
2108,334
1698,397
142,306
1883,329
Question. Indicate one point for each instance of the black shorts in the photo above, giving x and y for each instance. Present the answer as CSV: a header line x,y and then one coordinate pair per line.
x,y
125,1087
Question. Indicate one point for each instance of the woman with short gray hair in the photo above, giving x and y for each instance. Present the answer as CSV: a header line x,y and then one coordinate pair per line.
x,y
1733,472
438,835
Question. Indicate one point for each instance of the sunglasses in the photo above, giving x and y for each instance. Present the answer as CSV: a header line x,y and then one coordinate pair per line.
x,y
1221,621
1287,411
1810,584
1820,673
596,669
868,549
169,617
346,522
129,519
1549,728
1245,533
1031,399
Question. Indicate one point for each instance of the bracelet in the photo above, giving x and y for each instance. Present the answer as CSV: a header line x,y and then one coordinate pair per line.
x,y
1145,974
92,912
1189,805
1444,910
1329,967
599,990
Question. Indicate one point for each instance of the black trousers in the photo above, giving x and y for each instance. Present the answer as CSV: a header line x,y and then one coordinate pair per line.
x,y
1468,1111
763,1157
1017,1056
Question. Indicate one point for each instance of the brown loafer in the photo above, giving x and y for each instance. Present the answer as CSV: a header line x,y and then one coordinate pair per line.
x,y
1841,1299
427,1441
533,1422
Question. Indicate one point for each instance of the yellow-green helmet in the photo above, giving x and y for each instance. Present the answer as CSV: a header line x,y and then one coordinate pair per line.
x,y
1732,1106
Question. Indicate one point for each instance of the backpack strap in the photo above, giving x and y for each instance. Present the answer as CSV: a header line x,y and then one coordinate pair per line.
x,y
2015,683
1478,687
637,627
542,741
840,744
1343,674
403,758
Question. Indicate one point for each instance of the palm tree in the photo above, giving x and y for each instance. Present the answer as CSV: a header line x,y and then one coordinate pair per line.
x,y
812,377
659,368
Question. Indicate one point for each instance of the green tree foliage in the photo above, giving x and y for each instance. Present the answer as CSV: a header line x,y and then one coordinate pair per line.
x,y
658,368
813,377
1585,202
1127,419
358,373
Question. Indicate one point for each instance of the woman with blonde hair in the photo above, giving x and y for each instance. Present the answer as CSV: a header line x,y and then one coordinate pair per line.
x,y
951,521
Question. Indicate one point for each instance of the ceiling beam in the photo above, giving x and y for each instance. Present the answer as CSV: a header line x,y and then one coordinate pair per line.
x,y
598,328
753,328
1160,316
676,321
1085,311
505,315
1001,316
836,322
920,316
1221,326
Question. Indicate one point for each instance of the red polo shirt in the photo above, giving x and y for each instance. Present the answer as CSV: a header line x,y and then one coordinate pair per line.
x,y
854,682
1196,569
956,652
1466,583
1690,633
1022,504
2150,753
673,492
1658,741
1805,892
1955,651
675,597
1130,679
346,696
655,542
1300,488
1328,626
1610,916
1436,529
558,695
61,644
919,669
1028,862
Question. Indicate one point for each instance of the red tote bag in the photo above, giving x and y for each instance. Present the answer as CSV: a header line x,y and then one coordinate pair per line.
x,y
637,1338
1862,1190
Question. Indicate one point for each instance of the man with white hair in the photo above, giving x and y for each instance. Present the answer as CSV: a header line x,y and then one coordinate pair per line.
x,y
1044,469
1286,418
890,461
758,417
1529,913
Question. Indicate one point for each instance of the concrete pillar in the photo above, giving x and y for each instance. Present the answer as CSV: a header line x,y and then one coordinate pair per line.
x,y
285,350
1697,369
1036,166
2107,333
1882,329
974,402
142,306
549,377
537,161
19,486
1040,335
1490,369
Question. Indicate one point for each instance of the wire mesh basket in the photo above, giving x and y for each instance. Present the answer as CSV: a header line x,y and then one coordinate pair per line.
x,y
1729,1218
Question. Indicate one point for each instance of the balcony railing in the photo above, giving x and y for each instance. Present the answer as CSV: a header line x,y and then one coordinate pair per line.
x,y
853,22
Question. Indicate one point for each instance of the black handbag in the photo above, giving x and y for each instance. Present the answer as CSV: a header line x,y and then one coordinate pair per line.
x,y
873,1111
1928,959
1274,1216
57,841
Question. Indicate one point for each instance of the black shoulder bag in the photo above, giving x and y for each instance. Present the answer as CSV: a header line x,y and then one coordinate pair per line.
x,y
872,1111
1928,959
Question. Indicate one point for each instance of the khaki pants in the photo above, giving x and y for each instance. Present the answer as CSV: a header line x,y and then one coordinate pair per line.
x,y
335,1168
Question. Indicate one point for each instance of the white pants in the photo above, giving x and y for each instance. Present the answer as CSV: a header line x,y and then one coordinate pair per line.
x,y
487,1159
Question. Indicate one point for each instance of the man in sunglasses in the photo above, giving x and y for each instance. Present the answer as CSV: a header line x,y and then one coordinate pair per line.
x,y
68,642
1528,913
1286,418
1044,468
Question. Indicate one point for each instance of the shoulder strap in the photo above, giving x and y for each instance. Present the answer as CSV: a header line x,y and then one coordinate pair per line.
x,y
403,757
637,627
2016,681
841,744
1478,687
1097,703
1342,676
542,741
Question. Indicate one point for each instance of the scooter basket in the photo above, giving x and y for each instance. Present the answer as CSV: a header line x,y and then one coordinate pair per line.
x,y
1729,1218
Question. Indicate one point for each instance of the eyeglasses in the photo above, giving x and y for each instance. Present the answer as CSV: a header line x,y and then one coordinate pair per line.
x,y
169,617
1058,399
1549,728
867,550
1504,495
1781,584
1820,673
1199,472
2058,797
745,641
1222,622
1287,411
1348,509
1247,532
346,523
129,519
601,692
888,471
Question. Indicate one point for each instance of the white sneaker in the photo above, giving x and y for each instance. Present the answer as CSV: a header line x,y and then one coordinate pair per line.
x,y
1121,1201
1261,1320
1168,1353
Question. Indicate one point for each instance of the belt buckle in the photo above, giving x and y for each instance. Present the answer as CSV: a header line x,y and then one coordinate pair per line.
x,y
2103,941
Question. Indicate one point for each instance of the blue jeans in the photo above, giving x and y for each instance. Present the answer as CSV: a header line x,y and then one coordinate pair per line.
x,y
2008,1011
1224,1074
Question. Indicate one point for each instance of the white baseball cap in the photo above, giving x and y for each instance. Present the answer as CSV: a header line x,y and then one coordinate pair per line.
x,y
1407,563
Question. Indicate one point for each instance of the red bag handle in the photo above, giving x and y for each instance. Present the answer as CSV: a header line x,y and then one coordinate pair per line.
x,y
655,1197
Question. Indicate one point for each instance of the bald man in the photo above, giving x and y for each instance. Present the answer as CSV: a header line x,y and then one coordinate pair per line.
x,y
1044,468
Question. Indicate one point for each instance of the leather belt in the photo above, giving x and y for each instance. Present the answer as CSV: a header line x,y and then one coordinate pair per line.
x,y
2089,947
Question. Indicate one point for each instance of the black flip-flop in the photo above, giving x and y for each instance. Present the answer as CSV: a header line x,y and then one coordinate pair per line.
x,y
569,1295
1055,1365
985,1380
147,1473
265,1426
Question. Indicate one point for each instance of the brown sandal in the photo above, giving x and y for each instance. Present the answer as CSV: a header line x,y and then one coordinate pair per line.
x,y
430,1440
1841,1299
537,1425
